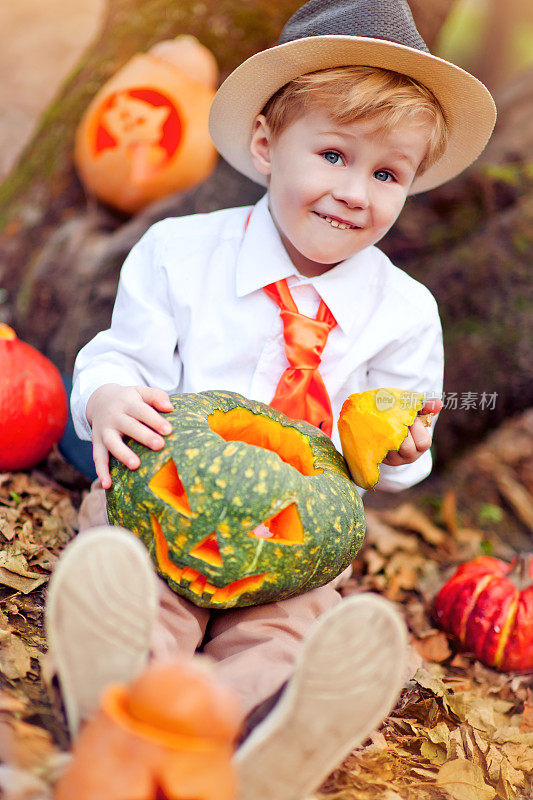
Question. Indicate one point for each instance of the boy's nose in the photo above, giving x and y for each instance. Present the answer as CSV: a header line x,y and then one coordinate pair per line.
x,y
352,191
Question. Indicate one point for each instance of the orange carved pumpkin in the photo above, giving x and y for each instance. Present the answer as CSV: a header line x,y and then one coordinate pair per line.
x,y
169,734
33,404
145,133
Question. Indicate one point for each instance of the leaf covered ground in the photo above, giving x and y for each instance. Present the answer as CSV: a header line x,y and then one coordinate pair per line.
x,y
460,731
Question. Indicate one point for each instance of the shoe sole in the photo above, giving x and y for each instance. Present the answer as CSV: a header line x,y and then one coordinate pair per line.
x,y
348,678
100,610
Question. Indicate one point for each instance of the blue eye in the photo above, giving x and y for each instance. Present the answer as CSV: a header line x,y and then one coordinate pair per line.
x,y
332,156
383,175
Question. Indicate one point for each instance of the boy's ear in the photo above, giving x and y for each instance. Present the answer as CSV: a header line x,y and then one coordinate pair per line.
x,y
260,145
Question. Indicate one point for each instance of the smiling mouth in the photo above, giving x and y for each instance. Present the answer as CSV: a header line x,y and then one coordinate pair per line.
x,y
336,223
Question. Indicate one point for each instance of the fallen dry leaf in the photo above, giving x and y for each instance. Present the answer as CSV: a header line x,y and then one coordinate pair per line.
x,y
8,522
402,571
14,658
510,488
386,540
12,559
448,511
464,781
526,726
20,583
23,745
409,516
434,647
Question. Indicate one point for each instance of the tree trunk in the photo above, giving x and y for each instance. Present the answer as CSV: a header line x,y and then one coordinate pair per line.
x,y
505,22
42,191
430,17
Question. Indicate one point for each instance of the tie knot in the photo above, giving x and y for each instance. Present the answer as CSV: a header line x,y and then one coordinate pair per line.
x,y
305,339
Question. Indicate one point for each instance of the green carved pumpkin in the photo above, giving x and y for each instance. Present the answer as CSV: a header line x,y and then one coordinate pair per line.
x,y
242,506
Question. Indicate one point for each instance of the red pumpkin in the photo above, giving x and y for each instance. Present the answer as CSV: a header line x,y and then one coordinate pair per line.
x,y
488,605
33,403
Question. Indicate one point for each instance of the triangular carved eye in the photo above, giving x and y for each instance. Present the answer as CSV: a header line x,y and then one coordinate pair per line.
x,y
207,550
167,485
284,528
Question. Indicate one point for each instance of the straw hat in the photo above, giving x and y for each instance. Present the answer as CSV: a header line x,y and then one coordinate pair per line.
x,y
333,33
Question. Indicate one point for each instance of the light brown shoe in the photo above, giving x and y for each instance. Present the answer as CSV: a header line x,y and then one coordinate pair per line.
x,y
100,610
348,678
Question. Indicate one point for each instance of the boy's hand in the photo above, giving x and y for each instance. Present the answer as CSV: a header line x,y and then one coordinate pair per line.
x,y
115,411
418,439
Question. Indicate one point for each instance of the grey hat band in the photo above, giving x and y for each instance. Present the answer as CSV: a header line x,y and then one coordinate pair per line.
x,y
376,19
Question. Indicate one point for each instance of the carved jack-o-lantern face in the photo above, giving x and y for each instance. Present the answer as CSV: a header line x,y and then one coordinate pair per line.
x,y
143,125
145,134
242,506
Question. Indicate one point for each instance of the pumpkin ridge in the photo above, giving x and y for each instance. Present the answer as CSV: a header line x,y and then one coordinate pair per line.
x,y
471,606
506,632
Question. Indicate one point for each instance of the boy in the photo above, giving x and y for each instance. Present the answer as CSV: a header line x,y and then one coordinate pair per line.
x,y
341,121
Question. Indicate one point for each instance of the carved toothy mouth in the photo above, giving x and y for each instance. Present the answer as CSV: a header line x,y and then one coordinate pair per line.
x,y
194,581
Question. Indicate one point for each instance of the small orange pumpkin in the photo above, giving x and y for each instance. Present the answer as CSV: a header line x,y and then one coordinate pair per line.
x,y
169,734
33,403
145,133
372,423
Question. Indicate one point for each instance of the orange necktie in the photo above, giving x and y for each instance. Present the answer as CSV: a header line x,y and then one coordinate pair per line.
x,y
301,393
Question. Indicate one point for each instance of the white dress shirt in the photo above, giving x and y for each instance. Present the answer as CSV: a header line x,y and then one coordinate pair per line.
x,y
191,315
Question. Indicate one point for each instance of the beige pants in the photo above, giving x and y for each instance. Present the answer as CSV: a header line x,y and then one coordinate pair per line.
x,y
254,649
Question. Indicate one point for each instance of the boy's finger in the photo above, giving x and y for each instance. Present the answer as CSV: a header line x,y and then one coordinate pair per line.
x,y
407,449
420,436
101,464
156,397
432,406
148,416
130,426
114,444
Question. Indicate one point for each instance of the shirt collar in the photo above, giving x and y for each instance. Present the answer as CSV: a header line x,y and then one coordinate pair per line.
x,y
262,259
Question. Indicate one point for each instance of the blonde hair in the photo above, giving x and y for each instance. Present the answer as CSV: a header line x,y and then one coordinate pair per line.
x,y
353,92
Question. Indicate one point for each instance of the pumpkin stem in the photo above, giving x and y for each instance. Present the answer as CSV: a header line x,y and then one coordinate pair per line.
x,y
520,572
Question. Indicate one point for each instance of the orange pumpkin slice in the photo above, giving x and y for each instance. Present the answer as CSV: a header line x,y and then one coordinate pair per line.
x,y
372,423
